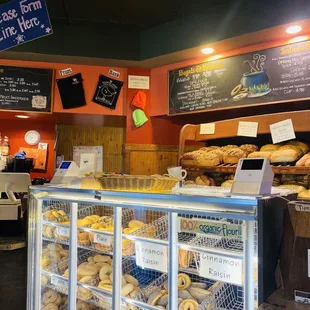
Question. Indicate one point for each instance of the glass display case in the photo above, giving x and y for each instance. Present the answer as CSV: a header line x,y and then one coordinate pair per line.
x,y
117,250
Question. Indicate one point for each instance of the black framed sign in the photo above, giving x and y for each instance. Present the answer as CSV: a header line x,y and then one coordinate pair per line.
x,y
26,89
280,74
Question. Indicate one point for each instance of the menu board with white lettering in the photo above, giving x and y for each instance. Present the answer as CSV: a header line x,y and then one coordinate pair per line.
x,y
26,89
280,74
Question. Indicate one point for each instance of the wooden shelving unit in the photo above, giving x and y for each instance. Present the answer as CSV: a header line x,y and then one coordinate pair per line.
x,y
229,128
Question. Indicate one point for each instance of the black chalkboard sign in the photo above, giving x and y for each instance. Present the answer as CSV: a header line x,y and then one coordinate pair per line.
x,y
268,76
26,89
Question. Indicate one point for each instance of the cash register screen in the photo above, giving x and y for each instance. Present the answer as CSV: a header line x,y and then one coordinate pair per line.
x,y
253,164
65,165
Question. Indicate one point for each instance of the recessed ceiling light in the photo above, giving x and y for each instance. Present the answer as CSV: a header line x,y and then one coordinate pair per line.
x,y
293,29
22,116
207,50
299,39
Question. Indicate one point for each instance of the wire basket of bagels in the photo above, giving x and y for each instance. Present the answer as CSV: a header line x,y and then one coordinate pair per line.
x,y
194,292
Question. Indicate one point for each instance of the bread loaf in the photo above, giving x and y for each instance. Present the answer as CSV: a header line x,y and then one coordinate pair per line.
x,y
304,194
283,156
302,161
270,147
232,156
301,145
249,148
292,147
293,187
260,154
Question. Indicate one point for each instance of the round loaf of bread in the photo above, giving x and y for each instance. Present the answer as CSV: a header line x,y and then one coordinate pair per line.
x,y
249,148
270,147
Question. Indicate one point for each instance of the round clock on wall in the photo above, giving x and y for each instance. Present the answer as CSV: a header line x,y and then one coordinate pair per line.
x,y
32,137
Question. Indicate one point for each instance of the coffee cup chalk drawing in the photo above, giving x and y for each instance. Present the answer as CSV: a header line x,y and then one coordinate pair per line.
x,y
254,83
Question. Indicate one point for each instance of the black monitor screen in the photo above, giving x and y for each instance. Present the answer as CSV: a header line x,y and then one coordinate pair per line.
x,y
252,164
65,165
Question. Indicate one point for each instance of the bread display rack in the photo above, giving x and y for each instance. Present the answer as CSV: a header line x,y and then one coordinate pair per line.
x,y
121,250
229,129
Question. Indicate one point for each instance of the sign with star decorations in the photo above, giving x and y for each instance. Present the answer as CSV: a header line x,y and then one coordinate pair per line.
x,y
22,21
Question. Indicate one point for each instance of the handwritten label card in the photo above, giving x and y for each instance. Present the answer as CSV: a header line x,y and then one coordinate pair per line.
x,y
58,282
63,231
139,82
65,71
152,256
221,268
207,129
247,129
282,131
43,146
102,239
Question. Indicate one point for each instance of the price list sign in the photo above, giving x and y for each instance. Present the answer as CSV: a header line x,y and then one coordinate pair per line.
x,y
26,89
275,75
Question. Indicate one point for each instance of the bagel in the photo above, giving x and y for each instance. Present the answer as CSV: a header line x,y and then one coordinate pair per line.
x,y
55,257
188,304
105,272
163,301
130,279
134,292
185,258
184,294
50,307
184,281
127,289
64,253
199,285
199,293
49,297
87,271
236,90
82,292
135,224
123,279
54,247
102,259
154,297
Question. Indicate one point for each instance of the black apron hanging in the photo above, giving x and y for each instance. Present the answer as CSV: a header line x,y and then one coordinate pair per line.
x,y
107,91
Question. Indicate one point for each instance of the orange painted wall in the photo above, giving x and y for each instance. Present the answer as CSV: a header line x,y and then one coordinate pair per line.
x,y
16,129
90,76
157,130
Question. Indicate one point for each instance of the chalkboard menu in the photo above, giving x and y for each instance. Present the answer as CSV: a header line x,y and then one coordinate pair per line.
x,y
268,76
26,89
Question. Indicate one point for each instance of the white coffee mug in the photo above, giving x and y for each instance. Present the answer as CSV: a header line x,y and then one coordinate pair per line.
x,y
177,172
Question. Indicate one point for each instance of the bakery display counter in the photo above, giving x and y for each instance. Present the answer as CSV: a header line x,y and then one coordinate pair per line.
x,y
117,250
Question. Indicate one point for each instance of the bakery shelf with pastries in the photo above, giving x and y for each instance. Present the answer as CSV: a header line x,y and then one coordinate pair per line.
x,y
194,292
52,300
55,257
291,157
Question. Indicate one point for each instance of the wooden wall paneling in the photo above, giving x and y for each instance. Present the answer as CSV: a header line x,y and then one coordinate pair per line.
x,y
111,138
147,159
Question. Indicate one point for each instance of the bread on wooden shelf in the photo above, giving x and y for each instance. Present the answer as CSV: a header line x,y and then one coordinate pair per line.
x,y
261,154
270,147
228,147
284,156
302,145
298,150
232,156
205,181
249,148
302,161
202,158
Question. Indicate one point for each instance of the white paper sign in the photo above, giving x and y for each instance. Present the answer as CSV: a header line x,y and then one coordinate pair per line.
x,y
152,256
97,150
87,163
247,129
221,268
102,239
302,297
39,102
42,146
63,231
207,129
59,282
139,82
282,131
302,208
65,71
